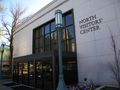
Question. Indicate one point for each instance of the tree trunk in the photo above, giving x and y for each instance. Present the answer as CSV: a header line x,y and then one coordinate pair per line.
x,y
11,55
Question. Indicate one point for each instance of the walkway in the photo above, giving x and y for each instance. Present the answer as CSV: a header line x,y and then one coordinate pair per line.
x,y
8,85
2,87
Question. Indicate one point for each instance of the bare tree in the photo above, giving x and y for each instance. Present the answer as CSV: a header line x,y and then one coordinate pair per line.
x,y
10,28
115,66
1,6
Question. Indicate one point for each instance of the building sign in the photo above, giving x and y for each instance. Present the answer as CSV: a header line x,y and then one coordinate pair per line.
x,y
90,24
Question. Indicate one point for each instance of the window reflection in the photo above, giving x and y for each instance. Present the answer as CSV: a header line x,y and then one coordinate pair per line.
x,y
39,76
15,72
44,75
20,72
63,34
25,68
47,29
70,71
69,19
31,70
41,31
31,74
20,69
53,26
41,49
41,41
70,45
46,40
69,32
47,75
64,45
36,43
63,21
25,73
37,33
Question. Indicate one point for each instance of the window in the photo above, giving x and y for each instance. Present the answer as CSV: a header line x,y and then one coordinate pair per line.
x,y
25,73
20,72
69,19
45,36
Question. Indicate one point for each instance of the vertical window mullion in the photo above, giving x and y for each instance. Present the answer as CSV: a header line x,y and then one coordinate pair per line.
x,y
44,38
65,32
50,36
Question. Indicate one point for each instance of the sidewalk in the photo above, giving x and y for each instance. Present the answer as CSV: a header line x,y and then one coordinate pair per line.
x,y
2,87
9,85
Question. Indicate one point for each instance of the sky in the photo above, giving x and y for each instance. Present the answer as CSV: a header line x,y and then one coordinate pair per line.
x,y
32,6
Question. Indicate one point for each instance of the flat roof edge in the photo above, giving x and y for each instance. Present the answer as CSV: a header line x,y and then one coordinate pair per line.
x,y
43,8
39,16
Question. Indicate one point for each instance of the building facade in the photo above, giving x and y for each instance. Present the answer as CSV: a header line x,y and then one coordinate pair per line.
x,y
89,27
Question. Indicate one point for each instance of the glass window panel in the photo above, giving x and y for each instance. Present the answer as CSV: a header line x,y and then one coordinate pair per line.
x,y
69,19
63,21
69,32
48,75
20,69
41,41
36,50
47,48
25,68
25,73
71,45
41,49
53,37
54,46
39,75
63,34
47,30
31,74
64,45
20,73
47,39
70,71
36,43
39,68
37,33
41,31
53,26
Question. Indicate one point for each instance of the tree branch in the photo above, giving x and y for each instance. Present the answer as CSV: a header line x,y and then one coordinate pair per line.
x,y
5,25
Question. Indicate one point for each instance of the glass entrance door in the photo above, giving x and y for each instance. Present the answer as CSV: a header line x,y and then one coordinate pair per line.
x,y
44,75
39,75
20,73
25,73
31,74
47,76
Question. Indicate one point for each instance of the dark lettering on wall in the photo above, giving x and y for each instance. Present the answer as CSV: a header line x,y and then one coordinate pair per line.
x,y
90,24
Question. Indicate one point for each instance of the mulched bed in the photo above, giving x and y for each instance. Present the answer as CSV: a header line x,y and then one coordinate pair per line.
x,y
22,88
110,88
10,84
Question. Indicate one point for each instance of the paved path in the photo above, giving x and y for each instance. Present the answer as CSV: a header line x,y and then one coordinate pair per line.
x,y
2,87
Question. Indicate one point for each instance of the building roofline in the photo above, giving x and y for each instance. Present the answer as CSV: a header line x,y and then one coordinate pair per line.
x,y
43,8
38,13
